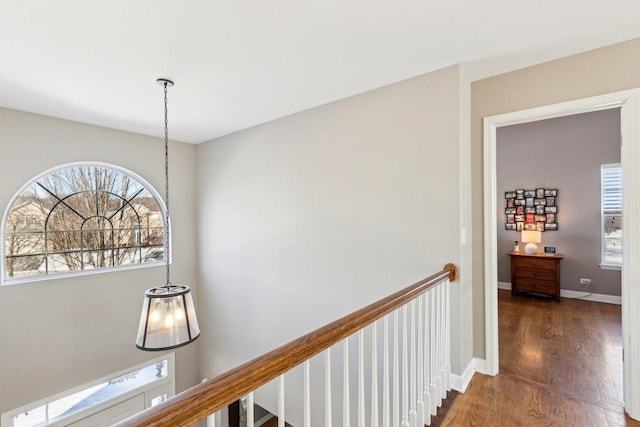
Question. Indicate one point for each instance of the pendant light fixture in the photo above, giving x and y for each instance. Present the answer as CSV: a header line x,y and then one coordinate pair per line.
x,y
168,318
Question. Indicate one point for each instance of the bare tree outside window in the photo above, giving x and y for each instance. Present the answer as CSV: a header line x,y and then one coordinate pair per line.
x,y
82,218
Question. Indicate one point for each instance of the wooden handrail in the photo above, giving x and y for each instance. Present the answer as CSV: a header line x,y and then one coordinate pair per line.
x,y
202,400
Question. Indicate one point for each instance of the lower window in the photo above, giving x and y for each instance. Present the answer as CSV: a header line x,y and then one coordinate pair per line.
x,y
102,402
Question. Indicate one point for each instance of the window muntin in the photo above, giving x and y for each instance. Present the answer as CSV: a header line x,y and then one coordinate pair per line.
x,y
79,218
611,185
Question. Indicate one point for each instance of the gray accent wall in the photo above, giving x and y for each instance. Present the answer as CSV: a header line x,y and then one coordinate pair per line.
x,y
564,153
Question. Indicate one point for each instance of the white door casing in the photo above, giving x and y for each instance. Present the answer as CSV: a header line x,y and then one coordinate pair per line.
x,y
629,103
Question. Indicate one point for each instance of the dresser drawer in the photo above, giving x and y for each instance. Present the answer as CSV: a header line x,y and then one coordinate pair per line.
x,y
539,286
538,263
535,273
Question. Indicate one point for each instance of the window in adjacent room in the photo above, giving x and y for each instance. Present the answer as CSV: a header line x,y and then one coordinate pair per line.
x,y
611,249
81,218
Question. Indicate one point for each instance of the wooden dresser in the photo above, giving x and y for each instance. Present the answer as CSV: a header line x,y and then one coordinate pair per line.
x,y
539,273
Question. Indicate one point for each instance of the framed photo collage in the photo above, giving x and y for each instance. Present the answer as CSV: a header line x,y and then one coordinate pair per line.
x,y
535,210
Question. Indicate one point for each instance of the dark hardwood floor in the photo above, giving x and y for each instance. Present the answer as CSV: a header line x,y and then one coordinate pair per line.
x,y
560,365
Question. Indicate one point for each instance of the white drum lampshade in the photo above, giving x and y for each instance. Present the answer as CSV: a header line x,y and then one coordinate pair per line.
x,y
531,238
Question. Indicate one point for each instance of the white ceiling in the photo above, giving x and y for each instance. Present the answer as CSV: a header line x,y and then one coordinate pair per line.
x,y
238,63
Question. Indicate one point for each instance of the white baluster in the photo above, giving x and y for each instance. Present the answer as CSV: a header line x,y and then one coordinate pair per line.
x,y
413,392
420,344
211,420
443,387
427,358
281,419
405,369
346,413
438,350
327,388
386,407
374,375
361,409
433,386
250,406
396,372
447,334
307,395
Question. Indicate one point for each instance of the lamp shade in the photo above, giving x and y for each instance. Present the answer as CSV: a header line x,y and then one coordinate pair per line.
x,y
531,237
168,318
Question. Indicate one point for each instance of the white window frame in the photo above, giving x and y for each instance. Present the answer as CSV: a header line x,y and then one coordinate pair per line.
x,y
151,391
4,280
607,264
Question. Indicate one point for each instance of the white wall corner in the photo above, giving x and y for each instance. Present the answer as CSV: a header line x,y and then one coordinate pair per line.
x,y
466,192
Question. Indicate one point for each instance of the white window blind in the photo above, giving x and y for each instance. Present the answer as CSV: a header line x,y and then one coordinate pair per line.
x,y
611,190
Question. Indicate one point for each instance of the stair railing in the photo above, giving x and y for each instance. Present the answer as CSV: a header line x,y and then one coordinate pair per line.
x,y
416,365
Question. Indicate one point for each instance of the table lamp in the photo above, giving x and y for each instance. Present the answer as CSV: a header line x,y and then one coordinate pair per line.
x,y
531,238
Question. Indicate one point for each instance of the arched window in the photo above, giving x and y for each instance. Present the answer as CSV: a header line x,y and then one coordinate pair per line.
x,y
81,218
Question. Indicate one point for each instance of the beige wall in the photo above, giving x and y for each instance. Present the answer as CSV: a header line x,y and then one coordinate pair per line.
x,y
310,217
60,333
597,72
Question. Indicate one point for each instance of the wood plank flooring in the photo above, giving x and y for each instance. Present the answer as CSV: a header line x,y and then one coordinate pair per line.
x,y
560,365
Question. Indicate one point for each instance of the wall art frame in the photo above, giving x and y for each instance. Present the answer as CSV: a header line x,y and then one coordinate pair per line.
x,y
531,209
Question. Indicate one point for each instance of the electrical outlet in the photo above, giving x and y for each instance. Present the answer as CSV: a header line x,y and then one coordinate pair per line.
x,y
585,281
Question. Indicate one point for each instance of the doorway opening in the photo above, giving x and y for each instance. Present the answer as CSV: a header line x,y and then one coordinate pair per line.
x,y
629,103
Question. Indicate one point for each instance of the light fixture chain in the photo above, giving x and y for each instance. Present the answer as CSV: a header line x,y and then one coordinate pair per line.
x,y
168,309
166,184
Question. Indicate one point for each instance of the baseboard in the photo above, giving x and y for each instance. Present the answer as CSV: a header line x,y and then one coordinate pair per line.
x,y
480,365
566,293
504,285
460,382
609,299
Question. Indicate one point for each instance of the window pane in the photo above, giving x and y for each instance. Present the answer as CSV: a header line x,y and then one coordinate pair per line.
x,y
79,218
58,409
611,178
613,240
35,417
